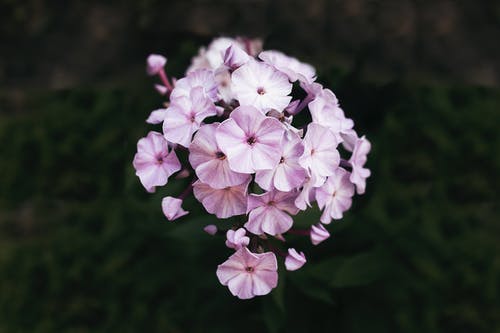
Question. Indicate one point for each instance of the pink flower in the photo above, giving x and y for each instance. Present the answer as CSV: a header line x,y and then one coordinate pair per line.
x,y
294,260
318,234
210,163
236,239
268,212
320,156
250,140
358,159
155,63
294,69
153,162
210,229
235,57
172,208
335,196
249,274
184,116
261,86
288,174
225,202
203,78
326,111
157,116
306,195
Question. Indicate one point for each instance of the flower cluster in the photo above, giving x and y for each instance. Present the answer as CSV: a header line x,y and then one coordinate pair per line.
x,y
254,151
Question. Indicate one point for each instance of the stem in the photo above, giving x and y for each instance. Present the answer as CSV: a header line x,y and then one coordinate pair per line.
x,y
187,190
300,232
247,45
345,164
276,250
303,104
164,78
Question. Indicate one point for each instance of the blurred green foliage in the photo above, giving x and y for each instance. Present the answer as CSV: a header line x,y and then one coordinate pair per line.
x,y
83,248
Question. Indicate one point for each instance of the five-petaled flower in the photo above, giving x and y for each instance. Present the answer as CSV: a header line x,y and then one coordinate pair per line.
x,y
154,162
249,274
250,140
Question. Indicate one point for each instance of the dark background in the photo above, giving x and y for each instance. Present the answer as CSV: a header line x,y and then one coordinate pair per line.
x,y
83,248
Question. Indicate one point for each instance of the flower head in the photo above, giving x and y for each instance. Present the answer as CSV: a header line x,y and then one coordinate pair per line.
x,y
260,85
269,212
249,274
250,140
154,162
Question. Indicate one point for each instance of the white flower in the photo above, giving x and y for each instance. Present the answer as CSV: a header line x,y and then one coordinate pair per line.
x,y
261,86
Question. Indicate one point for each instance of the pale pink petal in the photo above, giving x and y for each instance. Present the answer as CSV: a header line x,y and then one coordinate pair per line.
x,y
210,229
318,234
241,286
172,208
294,260
157,116
235,57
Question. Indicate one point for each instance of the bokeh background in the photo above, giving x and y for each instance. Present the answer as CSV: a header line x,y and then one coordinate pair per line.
x,y
83,248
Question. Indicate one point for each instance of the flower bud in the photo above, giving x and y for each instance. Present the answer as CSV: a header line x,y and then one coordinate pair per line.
x,y
294,260
155,63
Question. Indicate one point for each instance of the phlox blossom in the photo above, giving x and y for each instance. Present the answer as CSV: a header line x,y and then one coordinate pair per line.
x,y
269,212
335,196
249,274
259,84
224,202
184,116
250,140
154,162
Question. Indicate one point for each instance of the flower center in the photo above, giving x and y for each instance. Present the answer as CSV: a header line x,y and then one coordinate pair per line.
x,y
159,159
261,91
249,269
312,151
251,140
220,155
282,160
